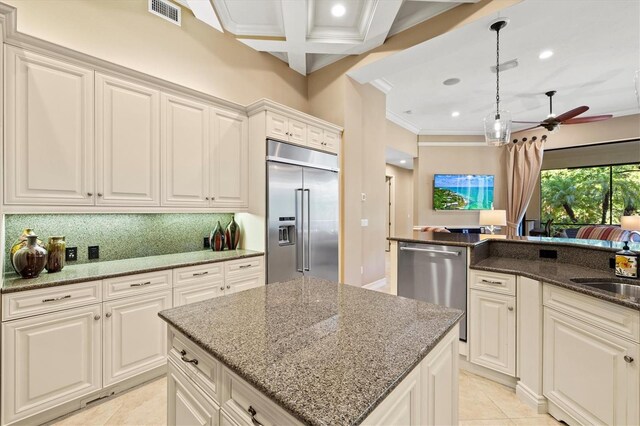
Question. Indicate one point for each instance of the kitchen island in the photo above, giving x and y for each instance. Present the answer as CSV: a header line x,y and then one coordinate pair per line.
x,y
311,351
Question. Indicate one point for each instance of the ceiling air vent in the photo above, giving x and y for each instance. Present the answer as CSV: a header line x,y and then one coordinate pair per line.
x,y
165,10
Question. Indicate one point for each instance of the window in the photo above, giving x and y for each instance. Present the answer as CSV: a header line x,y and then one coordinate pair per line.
x,y
590,195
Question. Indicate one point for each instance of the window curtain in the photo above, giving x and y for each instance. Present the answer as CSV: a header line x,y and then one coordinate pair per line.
x,y
523,170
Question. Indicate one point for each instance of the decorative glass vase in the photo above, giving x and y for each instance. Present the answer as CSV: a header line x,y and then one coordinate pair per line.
x,y
232,234
20,242
56,254
216,239
30,259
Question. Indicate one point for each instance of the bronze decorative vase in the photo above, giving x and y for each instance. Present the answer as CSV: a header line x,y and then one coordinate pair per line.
x,y
30,259
232,234
20,242
216,239
55,254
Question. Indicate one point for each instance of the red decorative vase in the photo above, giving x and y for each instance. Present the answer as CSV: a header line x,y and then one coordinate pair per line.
x,y
216,239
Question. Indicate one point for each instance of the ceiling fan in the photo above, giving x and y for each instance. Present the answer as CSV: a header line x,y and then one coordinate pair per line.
x,y
552,121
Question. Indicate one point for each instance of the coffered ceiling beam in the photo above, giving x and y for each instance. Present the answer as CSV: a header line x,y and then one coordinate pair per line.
x,y
203,10
294,17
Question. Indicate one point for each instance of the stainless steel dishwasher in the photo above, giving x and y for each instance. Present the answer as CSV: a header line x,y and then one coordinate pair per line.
x,y
435,274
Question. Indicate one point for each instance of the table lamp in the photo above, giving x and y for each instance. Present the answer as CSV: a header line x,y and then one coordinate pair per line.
x,y
627,260
492,218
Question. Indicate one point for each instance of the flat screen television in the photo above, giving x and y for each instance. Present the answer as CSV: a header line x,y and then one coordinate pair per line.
x,y
462,192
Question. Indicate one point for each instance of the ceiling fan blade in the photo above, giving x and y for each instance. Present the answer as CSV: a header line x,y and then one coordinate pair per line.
x,y
527,129
572,113
590,119
526,122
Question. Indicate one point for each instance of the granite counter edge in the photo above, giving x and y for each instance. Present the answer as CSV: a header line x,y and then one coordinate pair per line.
x,y
35,286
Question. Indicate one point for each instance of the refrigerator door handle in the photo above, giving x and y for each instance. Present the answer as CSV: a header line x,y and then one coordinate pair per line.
x,y
299,217
308,223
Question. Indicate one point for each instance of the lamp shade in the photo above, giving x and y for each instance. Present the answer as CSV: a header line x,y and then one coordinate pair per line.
x,y
493,217
630,223
497,128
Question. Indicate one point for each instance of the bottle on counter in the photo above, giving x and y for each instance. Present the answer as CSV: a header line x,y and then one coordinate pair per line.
x,y
55,254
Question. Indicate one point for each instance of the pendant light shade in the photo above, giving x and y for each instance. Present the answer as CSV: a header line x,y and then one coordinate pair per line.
x,y
497,128
497,125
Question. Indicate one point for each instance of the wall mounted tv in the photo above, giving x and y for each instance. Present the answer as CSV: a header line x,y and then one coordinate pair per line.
x,y
462,192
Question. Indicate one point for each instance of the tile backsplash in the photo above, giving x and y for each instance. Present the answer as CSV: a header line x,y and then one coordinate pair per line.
x,y
120,236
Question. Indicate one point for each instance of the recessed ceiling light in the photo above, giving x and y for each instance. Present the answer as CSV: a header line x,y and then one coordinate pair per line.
x,y
451,81
455,114
338,10
403,161
545,54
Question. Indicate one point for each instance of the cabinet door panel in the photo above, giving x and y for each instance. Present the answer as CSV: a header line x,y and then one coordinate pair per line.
x,y
49,131
297,132
585,374
50,359
244,283
493,331
127,143
185,152
315,137
186,403
277,126
135,338
331,141
230,158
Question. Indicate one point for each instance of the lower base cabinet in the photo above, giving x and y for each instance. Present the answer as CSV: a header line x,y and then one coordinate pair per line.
x,y
50,359
589,373
186,404
135,339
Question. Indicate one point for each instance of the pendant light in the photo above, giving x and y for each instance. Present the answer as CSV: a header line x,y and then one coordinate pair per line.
x,y
497,126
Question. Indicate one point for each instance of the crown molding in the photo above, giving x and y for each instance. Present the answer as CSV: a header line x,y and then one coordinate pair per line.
x,y
382,85
269,105
402,122
457,144
429,132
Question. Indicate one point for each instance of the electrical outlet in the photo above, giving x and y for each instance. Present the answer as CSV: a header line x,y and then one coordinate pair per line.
x,y
94,252
71,254
206,243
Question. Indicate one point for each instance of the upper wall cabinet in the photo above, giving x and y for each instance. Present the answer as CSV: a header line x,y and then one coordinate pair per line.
x,y
229,159
185,152
127,143
49,131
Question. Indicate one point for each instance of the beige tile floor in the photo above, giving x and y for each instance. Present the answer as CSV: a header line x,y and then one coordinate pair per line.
x,y
482,402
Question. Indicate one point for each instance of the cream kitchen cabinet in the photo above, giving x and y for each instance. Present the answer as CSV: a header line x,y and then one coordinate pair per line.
x,y
187,405
185,152
49,125
286,129
492,332
127,143
134,338
50,359
229,159
590,371
324,140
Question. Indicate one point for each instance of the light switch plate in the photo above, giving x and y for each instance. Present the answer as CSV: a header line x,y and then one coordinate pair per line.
x,y
364,222
363,197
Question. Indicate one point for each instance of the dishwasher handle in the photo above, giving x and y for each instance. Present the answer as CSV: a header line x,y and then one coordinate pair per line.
x,y
446,252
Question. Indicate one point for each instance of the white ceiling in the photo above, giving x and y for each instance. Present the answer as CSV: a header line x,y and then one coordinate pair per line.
x,y
596,45
306,35
398,158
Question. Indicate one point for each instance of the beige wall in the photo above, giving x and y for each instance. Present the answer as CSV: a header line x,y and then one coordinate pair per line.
x,y
401,139
403,198
194,55
456,159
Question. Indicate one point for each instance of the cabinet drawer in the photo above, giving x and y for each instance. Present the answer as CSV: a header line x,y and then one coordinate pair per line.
x,y
198,274
494,282
608,316
250,266
136,284
203,370
244,405
187,405
197,292
33,302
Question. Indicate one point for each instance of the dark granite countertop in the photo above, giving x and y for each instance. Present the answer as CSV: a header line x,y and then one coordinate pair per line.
x,y
72,274
559,274
441,238
320,350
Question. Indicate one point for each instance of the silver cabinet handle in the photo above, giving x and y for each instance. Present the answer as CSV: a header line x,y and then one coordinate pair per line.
x,y
252,411
140,284
510,308
55,299
184,358
453,253
628,358
198,274
108,315
245,266
491,282
97,317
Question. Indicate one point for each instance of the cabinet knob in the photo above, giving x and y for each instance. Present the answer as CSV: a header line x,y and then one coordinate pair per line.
x,y
628,358
228,287
213,198
206,198
97,317
222,288
89,194
99,194
108,315
510,308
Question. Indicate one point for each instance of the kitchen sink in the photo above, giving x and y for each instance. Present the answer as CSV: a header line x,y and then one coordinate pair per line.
x,y
617,287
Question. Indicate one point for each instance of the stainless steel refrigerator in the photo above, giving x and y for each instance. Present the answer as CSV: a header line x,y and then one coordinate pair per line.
x,y
302,213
